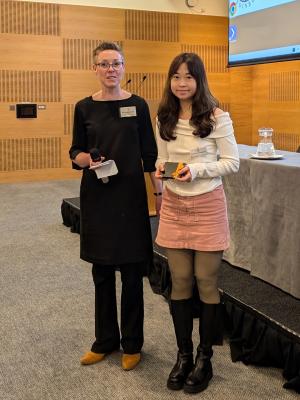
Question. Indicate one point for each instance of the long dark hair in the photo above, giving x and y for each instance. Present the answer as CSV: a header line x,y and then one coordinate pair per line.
x,y
203,102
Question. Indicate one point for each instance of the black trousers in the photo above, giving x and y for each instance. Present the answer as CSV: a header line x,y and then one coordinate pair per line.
x,y
107,330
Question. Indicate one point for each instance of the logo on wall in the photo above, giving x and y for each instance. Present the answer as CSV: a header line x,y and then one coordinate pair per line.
x,y
245,3
232,8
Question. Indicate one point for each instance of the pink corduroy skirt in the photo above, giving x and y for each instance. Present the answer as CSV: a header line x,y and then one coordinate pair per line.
x,y
194,222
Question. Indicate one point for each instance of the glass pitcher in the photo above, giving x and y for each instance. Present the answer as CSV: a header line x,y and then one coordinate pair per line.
x,y
265,147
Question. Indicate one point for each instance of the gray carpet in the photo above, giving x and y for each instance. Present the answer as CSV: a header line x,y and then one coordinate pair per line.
x,y
46,297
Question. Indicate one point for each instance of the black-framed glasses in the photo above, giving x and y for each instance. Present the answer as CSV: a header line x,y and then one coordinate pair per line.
x,y
116,65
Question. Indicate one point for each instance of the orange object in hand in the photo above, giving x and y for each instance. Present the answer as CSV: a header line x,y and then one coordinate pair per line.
x,y
180,165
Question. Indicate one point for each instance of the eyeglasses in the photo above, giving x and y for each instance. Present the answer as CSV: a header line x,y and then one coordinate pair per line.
x,y
116,65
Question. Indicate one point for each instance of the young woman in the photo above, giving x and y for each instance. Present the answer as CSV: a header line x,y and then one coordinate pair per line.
x,y
114,218
193,226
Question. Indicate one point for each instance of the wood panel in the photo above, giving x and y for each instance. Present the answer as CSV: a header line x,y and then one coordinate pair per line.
x,y
147,56
32,153
282,117
76,85
150,88
284,86
68,118
224,106
32,53
260,101
65,146
276,102
153,107
220,86
151,25
203,29
32,86
45,174
213,56
92,22
241,103
29,18
77,53
151,197
49,122
289,141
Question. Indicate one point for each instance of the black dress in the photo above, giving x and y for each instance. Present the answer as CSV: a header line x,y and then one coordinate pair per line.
x,y
114,217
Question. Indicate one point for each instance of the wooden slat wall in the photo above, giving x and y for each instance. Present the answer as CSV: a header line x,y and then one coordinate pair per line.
x,y
46,58
284,86
240,95
287,140
148,85
68,118
55,70
29,18
30,153
213,56
152,26
276,102
30,86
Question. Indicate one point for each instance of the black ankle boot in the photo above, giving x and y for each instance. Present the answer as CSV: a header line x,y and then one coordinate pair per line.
x,y
180,371
199,377
182,315
201,374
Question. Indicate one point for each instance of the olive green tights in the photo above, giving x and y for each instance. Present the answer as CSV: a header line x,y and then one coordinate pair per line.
x,y
204,265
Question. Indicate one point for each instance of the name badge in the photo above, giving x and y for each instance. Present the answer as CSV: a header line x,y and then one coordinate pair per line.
x,y
126,112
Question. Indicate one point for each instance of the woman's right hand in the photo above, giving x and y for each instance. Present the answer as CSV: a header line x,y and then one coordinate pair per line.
x,y
159,171
83,160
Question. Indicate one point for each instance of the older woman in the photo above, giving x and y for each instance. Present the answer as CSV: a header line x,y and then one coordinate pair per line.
x,y
115,229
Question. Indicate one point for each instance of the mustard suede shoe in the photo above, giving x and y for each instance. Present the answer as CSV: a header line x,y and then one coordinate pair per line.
x,y
91,358
130,361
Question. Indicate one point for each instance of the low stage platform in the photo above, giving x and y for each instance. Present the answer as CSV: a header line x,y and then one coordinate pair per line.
x,y
262,322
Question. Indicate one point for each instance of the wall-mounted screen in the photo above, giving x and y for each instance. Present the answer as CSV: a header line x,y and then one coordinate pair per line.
x,y
26,110
262,31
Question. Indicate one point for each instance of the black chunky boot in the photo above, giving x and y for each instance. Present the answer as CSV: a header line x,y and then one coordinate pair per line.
x,y
201,374
182,314
180,371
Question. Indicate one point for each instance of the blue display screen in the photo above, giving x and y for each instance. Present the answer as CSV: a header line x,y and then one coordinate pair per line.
x,y
263,31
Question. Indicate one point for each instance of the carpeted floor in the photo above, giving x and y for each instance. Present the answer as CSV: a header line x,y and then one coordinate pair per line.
x,y
46,297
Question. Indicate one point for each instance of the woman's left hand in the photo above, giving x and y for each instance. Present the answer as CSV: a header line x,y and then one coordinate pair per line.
x,y
96,163
184,175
